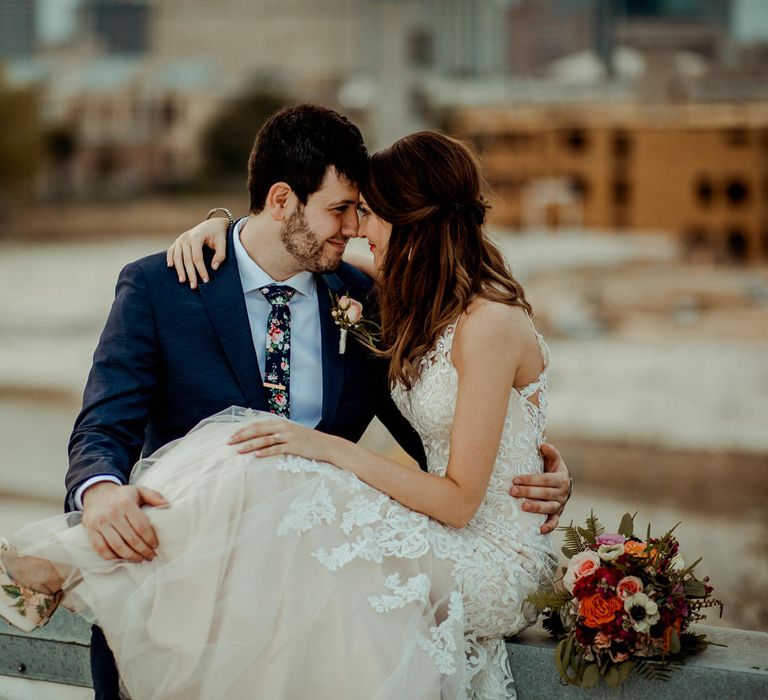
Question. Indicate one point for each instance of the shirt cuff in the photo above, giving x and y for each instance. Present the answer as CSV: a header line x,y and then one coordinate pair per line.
x,y
90,482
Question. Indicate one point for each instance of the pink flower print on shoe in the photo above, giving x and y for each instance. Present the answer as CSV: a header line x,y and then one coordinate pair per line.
x,y
21,606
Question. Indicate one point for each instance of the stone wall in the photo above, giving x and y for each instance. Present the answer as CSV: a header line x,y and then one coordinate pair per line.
x,y
59,653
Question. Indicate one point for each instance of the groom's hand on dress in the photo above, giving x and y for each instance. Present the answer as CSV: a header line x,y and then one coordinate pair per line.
x,y
545,493
115,523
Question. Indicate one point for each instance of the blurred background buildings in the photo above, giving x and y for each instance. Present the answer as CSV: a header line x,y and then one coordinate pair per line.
x,y
563,96
625,144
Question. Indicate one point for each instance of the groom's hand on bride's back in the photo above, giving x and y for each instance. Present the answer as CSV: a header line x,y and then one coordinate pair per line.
x,y
115,523
545,493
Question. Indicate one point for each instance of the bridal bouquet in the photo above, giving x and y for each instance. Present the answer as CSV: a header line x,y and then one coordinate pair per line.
x,y
623,603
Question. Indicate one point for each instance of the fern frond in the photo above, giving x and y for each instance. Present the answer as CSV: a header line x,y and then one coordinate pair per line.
x,y
656,670
549,597
572,541
594,526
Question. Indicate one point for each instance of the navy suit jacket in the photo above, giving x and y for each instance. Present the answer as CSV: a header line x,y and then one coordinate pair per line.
x,y
169,356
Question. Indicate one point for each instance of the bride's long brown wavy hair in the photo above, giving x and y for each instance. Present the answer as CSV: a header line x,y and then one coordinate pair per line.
x,y
428,186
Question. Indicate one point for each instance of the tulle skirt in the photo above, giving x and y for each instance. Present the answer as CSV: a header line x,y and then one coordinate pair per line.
x,y
280,578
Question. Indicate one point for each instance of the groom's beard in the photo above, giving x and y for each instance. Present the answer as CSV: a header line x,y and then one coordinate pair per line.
x,y
301,242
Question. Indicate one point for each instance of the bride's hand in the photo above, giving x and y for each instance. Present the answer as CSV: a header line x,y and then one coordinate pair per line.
x,y
277,436
186,252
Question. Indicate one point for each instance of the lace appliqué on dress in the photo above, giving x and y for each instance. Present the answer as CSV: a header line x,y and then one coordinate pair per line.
x,y
446,637
494,562
304,515
416,589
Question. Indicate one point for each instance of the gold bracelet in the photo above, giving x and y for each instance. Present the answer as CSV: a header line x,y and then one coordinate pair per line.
x,y
223,210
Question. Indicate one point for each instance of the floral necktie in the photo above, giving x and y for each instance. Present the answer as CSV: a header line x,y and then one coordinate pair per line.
x,y
277,364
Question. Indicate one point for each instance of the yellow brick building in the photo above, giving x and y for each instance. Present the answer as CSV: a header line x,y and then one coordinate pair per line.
x,y
700,171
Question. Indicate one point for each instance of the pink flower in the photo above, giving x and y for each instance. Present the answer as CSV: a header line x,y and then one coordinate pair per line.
x,y
353,309
628,586
611,539
581,565
602,641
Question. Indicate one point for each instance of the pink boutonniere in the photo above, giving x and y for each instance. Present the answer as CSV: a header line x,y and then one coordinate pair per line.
x,y
348,316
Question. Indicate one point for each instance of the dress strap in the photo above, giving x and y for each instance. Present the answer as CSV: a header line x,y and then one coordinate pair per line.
x,y
543,347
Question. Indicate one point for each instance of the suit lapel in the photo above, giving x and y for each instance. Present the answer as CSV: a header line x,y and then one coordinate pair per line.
x,y
333,360
225,304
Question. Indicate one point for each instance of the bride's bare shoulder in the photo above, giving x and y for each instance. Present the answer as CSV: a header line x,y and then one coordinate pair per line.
x,y
496,319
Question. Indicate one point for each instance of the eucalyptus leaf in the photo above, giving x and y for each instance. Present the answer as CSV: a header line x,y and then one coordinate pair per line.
x,y
624,670
694,589
591,676
559,650
627,525
674,643
612,677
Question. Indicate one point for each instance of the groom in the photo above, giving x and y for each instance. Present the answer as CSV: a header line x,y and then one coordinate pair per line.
x,y
170,356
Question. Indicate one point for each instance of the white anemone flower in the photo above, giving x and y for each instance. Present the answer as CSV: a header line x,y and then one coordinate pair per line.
x,y
643,612
609,552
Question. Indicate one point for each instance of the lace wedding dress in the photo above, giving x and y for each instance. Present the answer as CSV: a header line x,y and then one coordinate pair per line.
x,y
288,578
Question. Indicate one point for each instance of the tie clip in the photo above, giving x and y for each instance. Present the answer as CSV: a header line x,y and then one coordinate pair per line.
x,y
280,387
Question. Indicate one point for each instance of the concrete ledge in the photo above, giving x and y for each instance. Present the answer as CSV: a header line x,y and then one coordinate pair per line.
x,y
739,670
60,653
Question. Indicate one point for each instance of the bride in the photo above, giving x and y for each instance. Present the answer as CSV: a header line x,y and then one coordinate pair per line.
x,y
298,564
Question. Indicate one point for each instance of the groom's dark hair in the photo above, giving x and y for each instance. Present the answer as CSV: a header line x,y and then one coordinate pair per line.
x,y
297,145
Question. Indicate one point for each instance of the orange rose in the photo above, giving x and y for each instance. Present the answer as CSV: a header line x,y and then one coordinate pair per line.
x,y
636,549
597,610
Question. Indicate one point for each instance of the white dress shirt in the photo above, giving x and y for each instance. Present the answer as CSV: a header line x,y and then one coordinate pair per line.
x,y
306,380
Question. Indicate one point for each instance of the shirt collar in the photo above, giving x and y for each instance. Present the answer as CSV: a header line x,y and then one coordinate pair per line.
x,y
253,277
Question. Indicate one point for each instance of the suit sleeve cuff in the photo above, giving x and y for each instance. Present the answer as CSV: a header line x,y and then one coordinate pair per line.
x,y
90,482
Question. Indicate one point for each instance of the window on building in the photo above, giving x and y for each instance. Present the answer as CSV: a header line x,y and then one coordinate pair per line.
x,y
697,240
622,145
704,191
579,186
737,191
737,136
621,192
576,140
737,244
421,49
106,163
513,140
169,112
765,242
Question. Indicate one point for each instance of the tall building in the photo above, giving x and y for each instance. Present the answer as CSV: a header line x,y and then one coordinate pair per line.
x,y
542,31
18,28
120,26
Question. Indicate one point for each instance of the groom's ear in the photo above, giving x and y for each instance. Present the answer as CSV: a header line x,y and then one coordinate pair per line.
x,y
278,199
